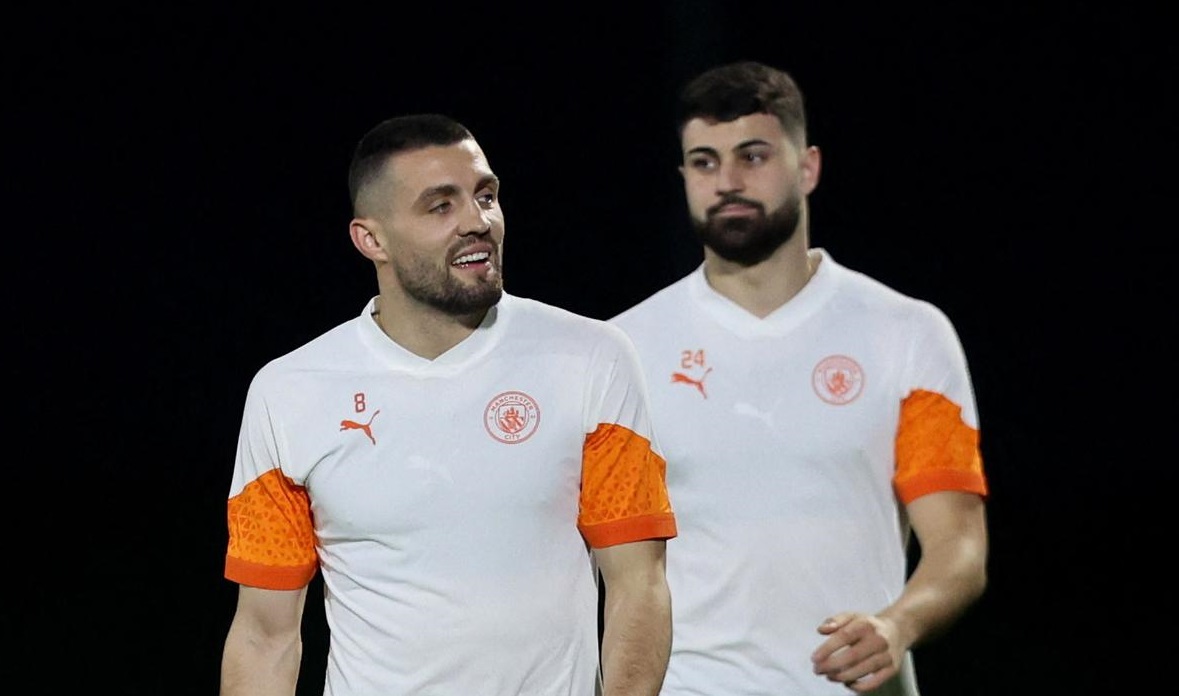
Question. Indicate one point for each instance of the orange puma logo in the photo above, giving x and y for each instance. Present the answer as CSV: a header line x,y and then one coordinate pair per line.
x,y
698,383
366,427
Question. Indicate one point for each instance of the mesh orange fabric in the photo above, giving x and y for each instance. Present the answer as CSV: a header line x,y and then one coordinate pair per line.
x,y
271,538
935,449
623,489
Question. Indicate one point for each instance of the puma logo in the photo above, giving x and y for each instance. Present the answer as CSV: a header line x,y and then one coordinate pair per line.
x,y
366,427
685,379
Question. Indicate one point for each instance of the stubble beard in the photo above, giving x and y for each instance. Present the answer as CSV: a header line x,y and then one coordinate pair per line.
x,y
435,287
749,240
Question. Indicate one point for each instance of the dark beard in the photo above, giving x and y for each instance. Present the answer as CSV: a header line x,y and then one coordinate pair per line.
x,y
440,291
749,241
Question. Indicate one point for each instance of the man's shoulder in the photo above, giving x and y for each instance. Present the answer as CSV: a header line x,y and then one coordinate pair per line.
x,y
541,313
330,347
535,317
864,295
657,303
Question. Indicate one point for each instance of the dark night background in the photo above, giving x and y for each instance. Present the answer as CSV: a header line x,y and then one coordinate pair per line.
x,y
177,216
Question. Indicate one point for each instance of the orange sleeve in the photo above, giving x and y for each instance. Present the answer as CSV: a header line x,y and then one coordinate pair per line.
x,y
623,489
935,449
271,537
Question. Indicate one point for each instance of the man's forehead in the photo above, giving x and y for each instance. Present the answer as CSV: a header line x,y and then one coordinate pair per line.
x,y
721,136
462,163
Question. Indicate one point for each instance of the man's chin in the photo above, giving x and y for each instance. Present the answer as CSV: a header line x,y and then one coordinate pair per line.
x,y
481,301
745,247
729,238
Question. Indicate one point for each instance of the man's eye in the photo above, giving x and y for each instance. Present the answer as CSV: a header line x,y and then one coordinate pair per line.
x,y
440,207
702,163
755,157
486,199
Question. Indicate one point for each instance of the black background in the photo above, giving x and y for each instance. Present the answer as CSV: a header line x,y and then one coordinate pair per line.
x,y
177,213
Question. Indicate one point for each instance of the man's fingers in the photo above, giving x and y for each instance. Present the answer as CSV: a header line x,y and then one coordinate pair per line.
x,y
834,623
866,674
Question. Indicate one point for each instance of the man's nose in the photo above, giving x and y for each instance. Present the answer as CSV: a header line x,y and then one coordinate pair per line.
x,y
728,177
477,219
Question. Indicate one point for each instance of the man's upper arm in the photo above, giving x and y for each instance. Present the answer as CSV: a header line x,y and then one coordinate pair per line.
x,y
263,649
269,613
949,517
640,562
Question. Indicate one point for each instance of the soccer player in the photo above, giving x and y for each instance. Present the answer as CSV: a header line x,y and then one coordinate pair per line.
x,y
457,462
812,419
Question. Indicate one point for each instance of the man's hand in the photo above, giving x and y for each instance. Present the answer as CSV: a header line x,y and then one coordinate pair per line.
x,y
862,651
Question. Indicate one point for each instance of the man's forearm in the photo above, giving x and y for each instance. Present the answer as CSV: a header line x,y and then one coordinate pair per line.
x,y
249,668
636,640
942,587
952,572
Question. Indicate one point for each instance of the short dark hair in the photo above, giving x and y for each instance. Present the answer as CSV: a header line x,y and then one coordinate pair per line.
x,y
399,134
728,92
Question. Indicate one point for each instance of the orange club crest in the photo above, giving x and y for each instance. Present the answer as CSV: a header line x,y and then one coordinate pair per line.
x,y
838,380
512,417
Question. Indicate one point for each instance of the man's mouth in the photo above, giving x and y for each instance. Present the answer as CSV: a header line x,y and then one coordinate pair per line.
x,y
736,209
733,208
472,258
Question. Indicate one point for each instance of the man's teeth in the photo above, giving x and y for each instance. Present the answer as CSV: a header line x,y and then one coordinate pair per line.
x,y
472,258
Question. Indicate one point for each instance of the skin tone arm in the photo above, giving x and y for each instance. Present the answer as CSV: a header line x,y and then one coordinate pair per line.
x,y
264,647
862,650
636,639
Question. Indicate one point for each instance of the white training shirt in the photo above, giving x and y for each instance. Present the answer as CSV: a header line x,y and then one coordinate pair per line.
x,y
449,503
788,441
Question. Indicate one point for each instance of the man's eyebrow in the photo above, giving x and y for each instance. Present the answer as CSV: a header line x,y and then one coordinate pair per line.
x,y
440,191
446,190
706,150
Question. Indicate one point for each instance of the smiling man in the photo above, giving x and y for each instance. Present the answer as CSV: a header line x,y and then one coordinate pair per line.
x,y
457,462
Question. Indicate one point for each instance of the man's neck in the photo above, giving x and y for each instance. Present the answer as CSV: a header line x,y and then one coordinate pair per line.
x,y
764,287
422,330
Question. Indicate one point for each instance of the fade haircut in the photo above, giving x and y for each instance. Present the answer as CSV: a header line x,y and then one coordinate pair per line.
x,y
728,92
394,135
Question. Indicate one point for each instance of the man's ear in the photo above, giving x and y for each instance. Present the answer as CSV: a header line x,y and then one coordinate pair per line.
x,y
365,238
810,165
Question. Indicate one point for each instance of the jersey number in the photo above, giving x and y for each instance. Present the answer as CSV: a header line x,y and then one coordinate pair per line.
x,y
688,358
